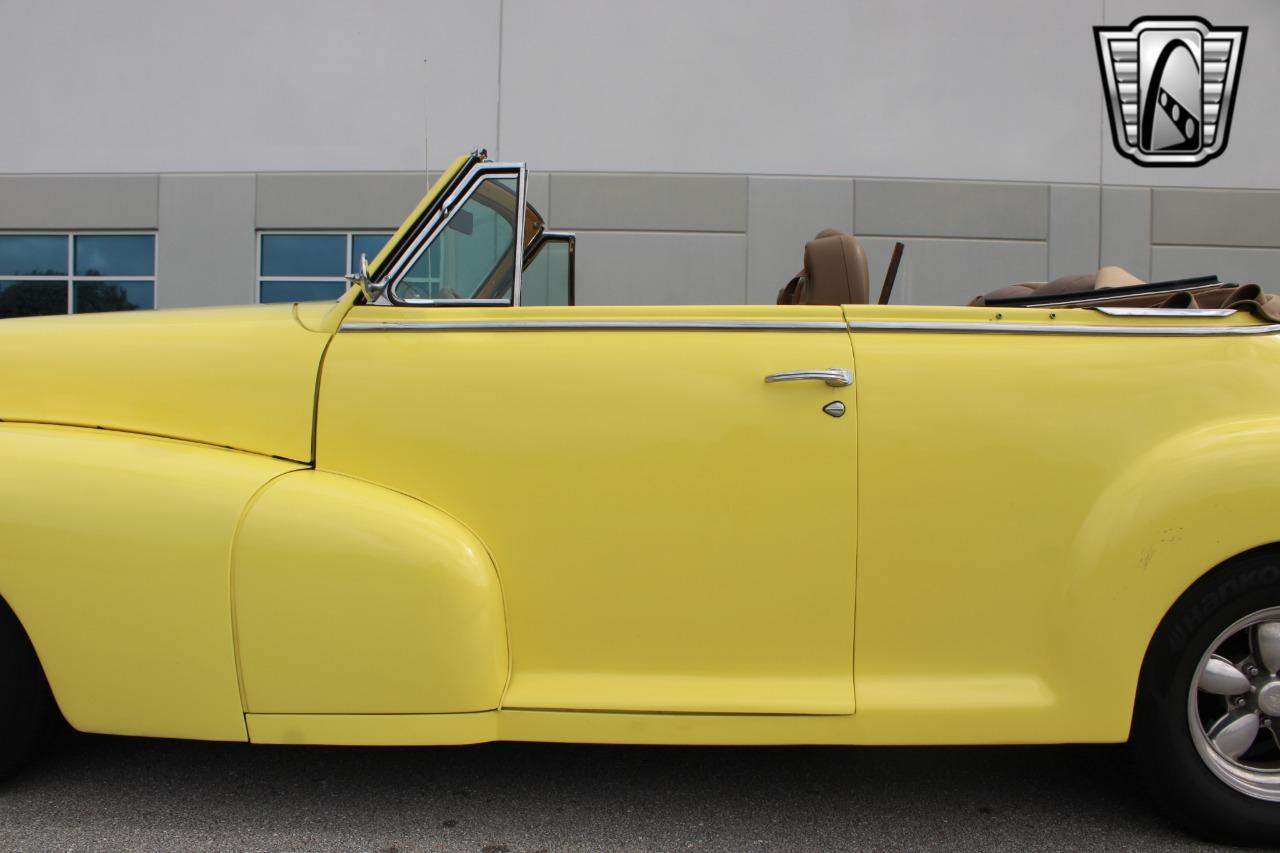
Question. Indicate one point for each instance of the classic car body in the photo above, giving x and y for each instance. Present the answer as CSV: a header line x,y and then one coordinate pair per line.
x,y
400,521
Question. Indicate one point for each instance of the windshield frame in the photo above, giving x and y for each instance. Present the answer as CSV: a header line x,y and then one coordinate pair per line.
x,y
412,225
436,219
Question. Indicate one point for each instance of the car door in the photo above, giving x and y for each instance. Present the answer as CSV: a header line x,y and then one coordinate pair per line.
x,y
671,531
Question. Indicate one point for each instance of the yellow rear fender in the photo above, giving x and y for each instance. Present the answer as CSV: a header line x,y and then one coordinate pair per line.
x,y
354,599
114,554
1188,505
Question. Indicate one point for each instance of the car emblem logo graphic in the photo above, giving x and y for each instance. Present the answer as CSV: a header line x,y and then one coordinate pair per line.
x,y
1170,85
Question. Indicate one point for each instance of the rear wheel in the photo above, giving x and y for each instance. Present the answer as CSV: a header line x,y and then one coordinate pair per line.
x,y
26,706
1206,737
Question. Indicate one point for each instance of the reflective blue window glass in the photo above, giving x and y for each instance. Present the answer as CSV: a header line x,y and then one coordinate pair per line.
x,y
369,244
90,297
33,254
115,254
304,254
301,291
32,298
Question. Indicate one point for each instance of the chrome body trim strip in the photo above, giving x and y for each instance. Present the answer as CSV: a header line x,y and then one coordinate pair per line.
x,y
997,327
458,303
593,325
939,327
517,261
1165,312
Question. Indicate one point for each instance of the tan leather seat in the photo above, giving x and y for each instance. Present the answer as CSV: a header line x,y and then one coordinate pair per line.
x,y
835,273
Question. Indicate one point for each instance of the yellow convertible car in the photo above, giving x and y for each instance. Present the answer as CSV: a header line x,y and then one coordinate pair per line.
x,y
453,507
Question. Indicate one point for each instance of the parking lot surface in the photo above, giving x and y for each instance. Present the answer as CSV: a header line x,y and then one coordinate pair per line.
x,y
105,793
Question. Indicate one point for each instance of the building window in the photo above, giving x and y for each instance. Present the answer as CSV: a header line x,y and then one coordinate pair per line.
x,y
303,267
76,273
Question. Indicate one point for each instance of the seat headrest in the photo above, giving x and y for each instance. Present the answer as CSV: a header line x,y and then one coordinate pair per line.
x,y
836,268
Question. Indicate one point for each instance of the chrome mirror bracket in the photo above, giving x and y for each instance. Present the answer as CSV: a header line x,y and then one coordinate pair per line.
x,y
371,290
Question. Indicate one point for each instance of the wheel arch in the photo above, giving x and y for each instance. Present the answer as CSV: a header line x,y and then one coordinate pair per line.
x,y
114,552
11,617
1189,506
1167,629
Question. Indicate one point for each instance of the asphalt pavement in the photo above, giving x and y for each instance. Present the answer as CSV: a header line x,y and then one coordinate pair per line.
x,y
108,793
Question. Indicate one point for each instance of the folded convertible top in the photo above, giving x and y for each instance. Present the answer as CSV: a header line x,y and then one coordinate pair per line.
x,y
1081,292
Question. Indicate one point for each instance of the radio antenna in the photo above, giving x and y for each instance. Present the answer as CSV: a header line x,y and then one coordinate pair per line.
x,y
426,114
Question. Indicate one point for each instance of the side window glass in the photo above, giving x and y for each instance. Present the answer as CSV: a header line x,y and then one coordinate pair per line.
x,y
548,275
474,256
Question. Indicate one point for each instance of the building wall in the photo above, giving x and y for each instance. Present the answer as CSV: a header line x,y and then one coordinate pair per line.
x,y
694,146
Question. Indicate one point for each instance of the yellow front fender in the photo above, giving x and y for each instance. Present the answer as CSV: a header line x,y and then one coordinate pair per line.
x,y
354,599
114,552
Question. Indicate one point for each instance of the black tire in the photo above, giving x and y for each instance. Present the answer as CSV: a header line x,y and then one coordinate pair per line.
x,y
26,705
1163,749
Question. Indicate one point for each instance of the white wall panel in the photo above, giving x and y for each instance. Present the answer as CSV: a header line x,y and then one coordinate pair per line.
x,y
999,90
239,85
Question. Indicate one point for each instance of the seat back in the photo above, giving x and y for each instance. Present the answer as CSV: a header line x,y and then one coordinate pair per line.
x,y
835,273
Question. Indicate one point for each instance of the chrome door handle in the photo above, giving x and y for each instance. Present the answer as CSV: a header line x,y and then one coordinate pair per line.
x,y
835,377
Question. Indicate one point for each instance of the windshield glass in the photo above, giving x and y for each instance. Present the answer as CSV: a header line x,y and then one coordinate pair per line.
x,y
473,257
378,264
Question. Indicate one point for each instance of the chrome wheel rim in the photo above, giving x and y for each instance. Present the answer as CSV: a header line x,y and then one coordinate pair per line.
x,y
1233,705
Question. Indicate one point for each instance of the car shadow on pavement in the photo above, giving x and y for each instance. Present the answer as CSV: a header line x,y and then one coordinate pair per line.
x,y
96,792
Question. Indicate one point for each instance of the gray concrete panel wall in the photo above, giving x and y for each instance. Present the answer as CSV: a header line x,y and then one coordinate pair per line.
x,y
1126,229
647,239
337,201
1075,229
1260,266
206,249
650,202
951,272
1215,217
538,192
1004,211
652,268
84,201
782,215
